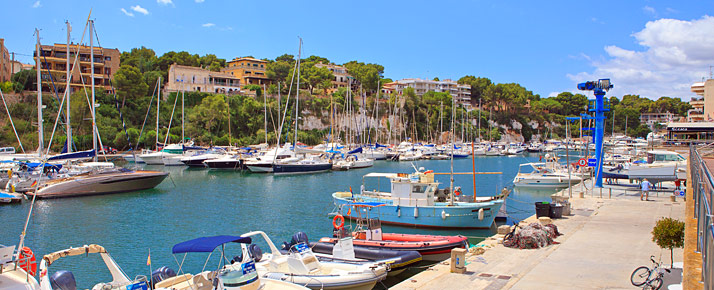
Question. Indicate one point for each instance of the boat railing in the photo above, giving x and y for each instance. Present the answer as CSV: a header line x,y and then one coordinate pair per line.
x,y
702,184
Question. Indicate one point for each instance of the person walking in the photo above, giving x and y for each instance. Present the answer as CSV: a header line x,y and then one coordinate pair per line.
x,y
645,187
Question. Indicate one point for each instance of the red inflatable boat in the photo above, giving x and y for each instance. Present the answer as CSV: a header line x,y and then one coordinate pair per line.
x,y
431,248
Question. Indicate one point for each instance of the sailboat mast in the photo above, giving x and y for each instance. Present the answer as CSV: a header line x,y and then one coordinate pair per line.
x,y
158,101
183,136
451,185
40,130
67,94
265,114
297,96
94,106
479,120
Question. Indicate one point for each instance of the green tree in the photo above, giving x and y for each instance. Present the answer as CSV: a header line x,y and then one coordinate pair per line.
x,y
210,115
25,80
130,83
668,233
367,74
142,58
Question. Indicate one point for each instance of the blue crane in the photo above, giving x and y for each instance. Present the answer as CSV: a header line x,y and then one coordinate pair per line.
x,y
599,106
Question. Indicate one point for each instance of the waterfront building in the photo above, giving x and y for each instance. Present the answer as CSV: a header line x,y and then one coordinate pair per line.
x,y
196,79
249,70
460,92
342,77
706,90
696,113
5,63
653,118
54,59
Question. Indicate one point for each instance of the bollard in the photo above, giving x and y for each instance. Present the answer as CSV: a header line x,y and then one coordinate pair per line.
x,y
609,195
600,192
458,260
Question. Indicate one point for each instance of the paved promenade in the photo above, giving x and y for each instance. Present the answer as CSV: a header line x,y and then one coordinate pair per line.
x,y
604,240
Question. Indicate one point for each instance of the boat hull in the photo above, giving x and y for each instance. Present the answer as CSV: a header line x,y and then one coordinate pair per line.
x,y
260,167
300,168
442,216
102,184
224,164
432,248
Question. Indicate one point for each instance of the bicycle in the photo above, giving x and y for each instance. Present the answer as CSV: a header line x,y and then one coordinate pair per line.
x,y
648,278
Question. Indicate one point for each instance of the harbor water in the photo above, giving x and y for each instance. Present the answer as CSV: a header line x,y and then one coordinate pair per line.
x,y
197,202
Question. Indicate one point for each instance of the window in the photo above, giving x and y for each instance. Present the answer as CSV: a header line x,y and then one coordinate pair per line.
x,y
108,58
261,65
255,65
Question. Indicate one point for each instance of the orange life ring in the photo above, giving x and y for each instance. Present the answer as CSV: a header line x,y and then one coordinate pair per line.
x,y
342,221
457,192
27,261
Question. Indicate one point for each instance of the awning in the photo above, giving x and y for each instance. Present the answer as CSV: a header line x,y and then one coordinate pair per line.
x,y
207,244
358,150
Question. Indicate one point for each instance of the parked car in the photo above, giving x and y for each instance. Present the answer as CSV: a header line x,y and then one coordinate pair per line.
x,y
108,150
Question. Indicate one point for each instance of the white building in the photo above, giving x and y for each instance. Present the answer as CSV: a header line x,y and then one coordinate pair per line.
x,y
460,92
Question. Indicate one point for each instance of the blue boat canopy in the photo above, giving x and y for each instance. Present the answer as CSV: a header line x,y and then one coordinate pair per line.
x,y
358,150
207,244
379,145
366,204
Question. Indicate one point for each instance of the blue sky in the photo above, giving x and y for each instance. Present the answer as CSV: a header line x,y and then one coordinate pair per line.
x,y
651,48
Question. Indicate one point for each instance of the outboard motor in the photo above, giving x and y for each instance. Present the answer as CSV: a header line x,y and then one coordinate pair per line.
x,y
255,252
161,274
63,280
299,237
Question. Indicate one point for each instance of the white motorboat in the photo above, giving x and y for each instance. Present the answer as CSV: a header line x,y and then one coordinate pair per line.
x,y
198,159
16,272
544,175
660,166
64,280
157,158
302,267
236,275
263,163
410,155
134,156
353,162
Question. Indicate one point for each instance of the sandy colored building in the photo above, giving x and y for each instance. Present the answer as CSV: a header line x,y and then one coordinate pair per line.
x,y
696,113
54,59
460,92
5,63
706,90
342,77
249,70
196,79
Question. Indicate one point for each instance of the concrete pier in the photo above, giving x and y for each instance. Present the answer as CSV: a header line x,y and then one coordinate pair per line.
x,y
603,241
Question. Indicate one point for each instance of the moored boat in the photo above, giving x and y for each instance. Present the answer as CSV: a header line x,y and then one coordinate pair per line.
x,y
416,201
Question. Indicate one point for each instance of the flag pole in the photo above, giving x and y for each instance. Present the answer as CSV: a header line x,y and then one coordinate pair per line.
x,y
151,271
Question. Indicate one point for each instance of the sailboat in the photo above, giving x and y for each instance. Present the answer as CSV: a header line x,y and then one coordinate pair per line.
x,y
98,180
305,163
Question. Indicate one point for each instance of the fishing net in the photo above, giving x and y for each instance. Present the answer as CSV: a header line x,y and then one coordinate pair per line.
x,y
533,236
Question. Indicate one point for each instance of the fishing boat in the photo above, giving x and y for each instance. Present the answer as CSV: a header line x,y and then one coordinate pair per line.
x,y
227,276
415,200
545,175
64,280
368,233
301,266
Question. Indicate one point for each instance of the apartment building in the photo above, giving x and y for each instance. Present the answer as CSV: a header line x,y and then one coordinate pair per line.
x,y
5,63
249,70
53,59
196,79
460,92
696,113
652,118
706,90
342,77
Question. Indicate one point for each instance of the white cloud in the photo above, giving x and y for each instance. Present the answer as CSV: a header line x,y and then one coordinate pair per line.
x,y
650,10
165,2
200,1
208,24
36,4
675,54
140,9
127,13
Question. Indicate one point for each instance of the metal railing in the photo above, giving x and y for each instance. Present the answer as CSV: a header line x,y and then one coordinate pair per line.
x,y
702,184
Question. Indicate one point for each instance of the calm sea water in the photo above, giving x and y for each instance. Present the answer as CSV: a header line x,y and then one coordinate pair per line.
x,y
193,203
